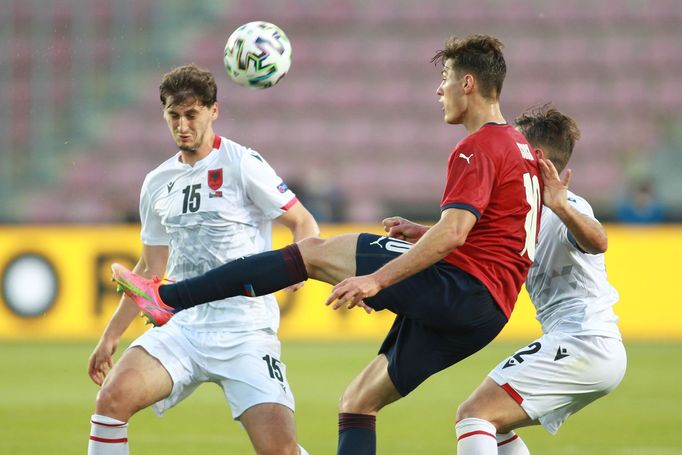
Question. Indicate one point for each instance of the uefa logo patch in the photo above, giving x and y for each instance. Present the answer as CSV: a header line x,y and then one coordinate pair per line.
x,y
282,187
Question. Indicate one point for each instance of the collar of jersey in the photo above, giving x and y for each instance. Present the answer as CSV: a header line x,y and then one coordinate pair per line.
x,y
204,161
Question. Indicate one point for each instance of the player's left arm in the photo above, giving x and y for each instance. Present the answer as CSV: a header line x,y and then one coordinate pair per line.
x,y
300,222
589,234
449,233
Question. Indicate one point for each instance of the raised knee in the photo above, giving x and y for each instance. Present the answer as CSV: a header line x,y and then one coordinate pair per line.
x,y
469,409
106,401
473,409
112,402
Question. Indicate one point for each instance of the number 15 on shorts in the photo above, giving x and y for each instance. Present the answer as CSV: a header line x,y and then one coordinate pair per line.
x,y
273,367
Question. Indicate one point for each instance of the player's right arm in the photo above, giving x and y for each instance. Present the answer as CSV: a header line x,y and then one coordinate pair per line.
x,y
589,234
152,262
449,233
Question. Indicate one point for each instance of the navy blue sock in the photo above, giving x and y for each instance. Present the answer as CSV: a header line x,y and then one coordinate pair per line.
x,y
357,434
256,275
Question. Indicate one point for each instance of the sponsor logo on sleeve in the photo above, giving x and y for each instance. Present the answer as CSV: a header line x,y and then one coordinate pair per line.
x,y
468,158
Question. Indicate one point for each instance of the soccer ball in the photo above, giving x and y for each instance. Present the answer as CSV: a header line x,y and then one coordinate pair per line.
x,y
257,55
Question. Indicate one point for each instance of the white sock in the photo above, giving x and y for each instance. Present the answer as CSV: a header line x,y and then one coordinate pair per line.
x,y
511,444
476,437
302,451
108,436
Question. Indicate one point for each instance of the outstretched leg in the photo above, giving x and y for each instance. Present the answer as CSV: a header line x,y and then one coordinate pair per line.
x,y
330,260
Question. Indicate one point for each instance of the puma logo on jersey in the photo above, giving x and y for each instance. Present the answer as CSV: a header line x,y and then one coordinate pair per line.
x,y
170,186
468,158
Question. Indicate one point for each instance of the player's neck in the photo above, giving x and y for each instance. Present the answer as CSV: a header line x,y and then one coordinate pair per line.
x,y
191,157
481,113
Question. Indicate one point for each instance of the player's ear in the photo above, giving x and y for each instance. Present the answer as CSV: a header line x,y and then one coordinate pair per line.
x,y
540,153
215,110
468,83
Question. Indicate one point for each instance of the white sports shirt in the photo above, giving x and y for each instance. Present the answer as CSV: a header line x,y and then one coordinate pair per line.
x,y
208,214
568,287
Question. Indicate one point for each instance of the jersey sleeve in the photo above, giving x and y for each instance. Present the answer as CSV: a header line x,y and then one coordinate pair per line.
x,y
264,187
470,179
152,231
582,206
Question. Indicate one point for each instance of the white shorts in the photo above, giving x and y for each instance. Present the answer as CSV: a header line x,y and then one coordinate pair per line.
x,y
246,365
558,374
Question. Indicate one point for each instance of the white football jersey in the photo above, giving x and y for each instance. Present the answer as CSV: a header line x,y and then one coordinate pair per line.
x,y
208,214
568,287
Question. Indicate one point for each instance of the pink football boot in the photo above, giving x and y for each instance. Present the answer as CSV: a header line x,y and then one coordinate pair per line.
x,y
145,293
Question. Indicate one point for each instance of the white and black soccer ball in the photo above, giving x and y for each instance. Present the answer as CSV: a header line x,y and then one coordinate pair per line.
x,y
257,55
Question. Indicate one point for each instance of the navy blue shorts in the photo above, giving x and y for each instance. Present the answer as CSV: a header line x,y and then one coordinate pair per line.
x,y
443,314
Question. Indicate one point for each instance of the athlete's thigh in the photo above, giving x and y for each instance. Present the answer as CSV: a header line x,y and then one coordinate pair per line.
x,y
339,257
270,425
180,357
136,381
331,260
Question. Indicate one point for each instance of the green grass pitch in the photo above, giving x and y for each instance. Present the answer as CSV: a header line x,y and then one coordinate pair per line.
x,y
46,400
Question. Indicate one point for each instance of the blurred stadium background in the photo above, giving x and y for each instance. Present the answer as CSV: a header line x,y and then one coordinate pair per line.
x,y
357,116
356,131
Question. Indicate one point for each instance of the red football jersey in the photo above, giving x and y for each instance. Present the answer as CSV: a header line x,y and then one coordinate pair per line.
x,y
494,174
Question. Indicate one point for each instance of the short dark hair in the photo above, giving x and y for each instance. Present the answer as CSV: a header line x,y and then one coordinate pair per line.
x,y
188,82
480,55
546,127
